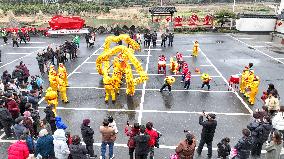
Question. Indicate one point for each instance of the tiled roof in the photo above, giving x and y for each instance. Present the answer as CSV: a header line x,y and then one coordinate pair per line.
x,y
154,10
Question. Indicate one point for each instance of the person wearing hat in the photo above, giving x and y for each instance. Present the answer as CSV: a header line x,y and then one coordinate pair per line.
x,y
206,80
19,127
61,149
224,148
44,145
88,136
244,76
77,150
186,148
62,71
254,89
207,134
248,82
195,49
28,122
19,150
168,82
51,97
141,141
59,123
62,88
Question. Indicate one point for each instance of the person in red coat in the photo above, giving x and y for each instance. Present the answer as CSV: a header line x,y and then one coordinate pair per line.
x,y
187,80
12,106
185,70
153,138
19,150
132,133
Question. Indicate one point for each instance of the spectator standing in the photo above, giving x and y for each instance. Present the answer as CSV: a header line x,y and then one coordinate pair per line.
x,y
12,106
153,138
164,39
273,149
132,133
19,150
77,150
6,119
186,148
171,39
45,125
50,117
141,143
207,134
19,127
154,38
243,146
15,39
44,146
88,136
108,138
224,148
61,149
272,102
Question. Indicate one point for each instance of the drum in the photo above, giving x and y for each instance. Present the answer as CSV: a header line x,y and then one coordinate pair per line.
x,y
234,79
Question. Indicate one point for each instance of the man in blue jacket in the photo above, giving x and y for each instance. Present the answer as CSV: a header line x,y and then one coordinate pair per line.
x,y
44,145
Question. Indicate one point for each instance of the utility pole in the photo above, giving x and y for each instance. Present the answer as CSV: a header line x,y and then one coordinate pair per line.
x,y
233,12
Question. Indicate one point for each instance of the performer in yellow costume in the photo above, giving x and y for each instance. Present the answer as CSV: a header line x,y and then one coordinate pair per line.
x,y
53,78
195,49
244,76
206,80
174,66
254,89
51,98
109,88
168,82
248,82
62,90
63,72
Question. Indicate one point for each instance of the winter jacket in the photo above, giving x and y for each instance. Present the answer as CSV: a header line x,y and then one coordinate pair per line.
x,y
61,149
252,127
78,151
34,101
273,150
59,123
87,134
153,136
186,151
243,147
131,134
141,141
278,121
260,115
224,149
31,144
28,123
5,117
208,129
13,107
263,132
44,146
171,37
18,150
50,118
272,103
107,133
19,130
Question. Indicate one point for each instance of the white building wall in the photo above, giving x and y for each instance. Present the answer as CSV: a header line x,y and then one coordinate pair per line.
x,y
255,24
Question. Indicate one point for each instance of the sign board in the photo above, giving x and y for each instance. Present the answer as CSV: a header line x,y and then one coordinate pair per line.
x,y
65,31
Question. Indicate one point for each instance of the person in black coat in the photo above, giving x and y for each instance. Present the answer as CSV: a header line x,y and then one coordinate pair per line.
x,y
171,39
243,146
207,133
50,117
141,144
87,134
259,135
154,38
77,150
6,119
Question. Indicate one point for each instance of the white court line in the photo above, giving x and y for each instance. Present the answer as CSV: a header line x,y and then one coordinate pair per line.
x,y
36,42
153,49
17,53
205,65
152,89
144,89
256,49
281,58
246,38
41,100
90,62
238,96
20,58
30,47
147,111
5,44
260,46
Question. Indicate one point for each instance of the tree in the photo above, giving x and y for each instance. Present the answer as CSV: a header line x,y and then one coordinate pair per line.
x,y
224,16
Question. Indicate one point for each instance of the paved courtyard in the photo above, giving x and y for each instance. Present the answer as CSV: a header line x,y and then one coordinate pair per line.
x,y
170,113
